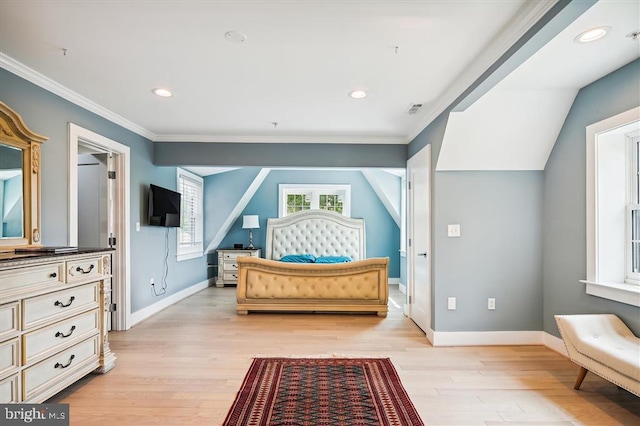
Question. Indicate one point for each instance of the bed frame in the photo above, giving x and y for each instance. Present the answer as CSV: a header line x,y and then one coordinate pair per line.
x,y
360,286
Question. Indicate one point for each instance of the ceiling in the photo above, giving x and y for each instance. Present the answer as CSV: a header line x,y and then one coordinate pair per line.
x,y
298,64
515,124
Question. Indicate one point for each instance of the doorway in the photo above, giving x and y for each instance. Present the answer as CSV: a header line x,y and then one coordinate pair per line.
x,y
419,248
115,210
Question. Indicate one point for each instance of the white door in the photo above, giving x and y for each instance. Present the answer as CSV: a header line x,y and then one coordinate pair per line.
x,y
92,200
419,250
117,212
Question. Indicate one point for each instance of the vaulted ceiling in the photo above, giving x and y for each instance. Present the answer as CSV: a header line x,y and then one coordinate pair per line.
x,y
281,71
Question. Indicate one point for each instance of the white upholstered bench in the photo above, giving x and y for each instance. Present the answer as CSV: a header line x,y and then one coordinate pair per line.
x,y
604,345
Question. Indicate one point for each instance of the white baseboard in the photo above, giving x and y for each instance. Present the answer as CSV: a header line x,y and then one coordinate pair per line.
x,y
402,288
555,343
144,313
496,338
429,334
394,281
486,338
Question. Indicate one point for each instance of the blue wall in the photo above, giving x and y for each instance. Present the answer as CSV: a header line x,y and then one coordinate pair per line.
x,y
383,234
498,255
549,254
49,115
564,214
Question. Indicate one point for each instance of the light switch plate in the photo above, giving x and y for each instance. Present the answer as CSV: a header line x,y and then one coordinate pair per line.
x,y
453,230
451,303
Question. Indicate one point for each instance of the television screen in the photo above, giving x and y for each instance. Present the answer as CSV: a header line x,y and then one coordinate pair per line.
x,y
164,207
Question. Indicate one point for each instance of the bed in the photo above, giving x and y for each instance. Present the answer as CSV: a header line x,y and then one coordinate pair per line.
x,y
357,286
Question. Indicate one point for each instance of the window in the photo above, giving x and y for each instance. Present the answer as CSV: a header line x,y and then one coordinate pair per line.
x,y
190,233
297,197
613,208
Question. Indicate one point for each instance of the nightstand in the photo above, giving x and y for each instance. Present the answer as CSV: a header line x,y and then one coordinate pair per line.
x,y
227,265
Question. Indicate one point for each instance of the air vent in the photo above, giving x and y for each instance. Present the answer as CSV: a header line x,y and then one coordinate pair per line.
x,y
413,108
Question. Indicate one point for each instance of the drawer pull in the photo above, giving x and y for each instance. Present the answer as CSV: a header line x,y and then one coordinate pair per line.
x,y
79,269
235,276
62,305
53,275
58,365
235,266
61,334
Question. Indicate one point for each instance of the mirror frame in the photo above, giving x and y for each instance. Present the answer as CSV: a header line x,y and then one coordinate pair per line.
x,y
15,133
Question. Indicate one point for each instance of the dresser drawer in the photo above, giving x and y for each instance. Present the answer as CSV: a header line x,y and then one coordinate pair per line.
x,y
59,305
83,269
49,340
9,356
34,276
233,255
231,265
10,389
230,276
53,370
9,320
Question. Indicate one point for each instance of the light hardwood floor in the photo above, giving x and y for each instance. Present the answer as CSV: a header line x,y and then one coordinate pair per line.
x,y
184,366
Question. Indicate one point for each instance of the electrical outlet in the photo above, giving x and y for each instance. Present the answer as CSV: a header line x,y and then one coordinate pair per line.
x,y
453,231
451,303
151,281
491,304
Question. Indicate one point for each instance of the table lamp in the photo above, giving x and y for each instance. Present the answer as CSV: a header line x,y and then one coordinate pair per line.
x,y
250,222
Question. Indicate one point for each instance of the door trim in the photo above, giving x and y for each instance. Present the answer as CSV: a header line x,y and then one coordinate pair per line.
x,y
411,252
122,271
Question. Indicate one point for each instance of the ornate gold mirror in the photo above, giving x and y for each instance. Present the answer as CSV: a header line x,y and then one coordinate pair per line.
x,y
19,181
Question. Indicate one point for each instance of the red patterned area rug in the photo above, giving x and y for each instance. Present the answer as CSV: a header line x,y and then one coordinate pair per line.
x,y
322,392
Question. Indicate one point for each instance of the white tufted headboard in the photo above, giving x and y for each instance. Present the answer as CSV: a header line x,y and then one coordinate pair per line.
x,y
316,232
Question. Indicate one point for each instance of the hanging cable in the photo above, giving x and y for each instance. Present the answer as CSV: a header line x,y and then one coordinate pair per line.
x,y
165,272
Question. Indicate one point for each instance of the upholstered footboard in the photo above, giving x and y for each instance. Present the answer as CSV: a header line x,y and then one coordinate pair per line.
x,y
268,285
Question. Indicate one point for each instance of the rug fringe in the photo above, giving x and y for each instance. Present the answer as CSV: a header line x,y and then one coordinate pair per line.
x,y
320,356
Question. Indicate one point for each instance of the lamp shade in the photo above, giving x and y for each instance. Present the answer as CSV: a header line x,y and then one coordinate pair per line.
x,y
250,221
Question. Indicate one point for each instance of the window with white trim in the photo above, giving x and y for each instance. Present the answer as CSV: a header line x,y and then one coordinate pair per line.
x,y
297,197
191,231
613,208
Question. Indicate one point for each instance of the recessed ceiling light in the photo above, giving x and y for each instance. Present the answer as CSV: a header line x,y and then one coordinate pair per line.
x,y
358,94
165,93
235,37
592,35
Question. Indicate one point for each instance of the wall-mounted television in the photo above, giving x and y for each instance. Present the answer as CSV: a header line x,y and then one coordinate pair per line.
x,y
164,207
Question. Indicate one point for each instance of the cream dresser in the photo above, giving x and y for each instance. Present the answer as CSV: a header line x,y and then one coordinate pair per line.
x,y
54,311
227,265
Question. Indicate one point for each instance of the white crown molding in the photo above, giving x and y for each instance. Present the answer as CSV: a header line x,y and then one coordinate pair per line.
x,y
372,140
21,70
531,13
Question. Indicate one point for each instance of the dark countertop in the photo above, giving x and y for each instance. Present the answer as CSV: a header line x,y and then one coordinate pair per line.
x,y
10,256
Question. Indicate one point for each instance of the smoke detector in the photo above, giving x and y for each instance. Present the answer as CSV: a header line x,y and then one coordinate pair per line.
x,y
413,108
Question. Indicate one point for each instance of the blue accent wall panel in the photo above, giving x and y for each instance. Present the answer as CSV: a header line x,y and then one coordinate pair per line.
x,y
498,255
280,154
383,234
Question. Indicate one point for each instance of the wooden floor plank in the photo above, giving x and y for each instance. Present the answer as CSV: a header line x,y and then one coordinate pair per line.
x,y
184,366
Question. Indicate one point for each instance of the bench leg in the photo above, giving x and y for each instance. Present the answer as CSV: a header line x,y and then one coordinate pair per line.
x,y
581,374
